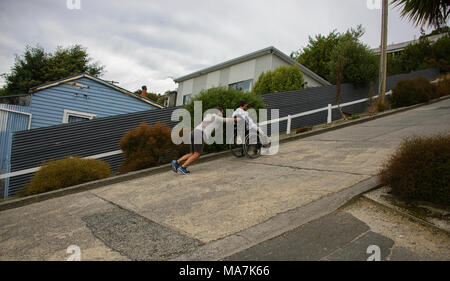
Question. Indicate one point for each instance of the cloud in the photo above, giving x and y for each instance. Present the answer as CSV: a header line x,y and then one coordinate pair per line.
x,y
145,42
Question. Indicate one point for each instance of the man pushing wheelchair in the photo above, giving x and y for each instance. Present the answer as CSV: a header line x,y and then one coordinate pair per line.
x,y
210,123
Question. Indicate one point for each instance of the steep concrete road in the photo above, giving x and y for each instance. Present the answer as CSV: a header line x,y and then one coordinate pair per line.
x,y
166,215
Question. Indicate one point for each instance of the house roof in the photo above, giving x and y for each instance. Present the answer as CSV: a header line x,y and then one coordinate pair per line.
x,y
268,50
106,83
400,46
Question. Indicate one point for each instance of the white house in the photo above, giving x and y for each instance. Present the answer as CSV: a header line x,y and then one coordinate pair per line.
x,y
240,73
397,48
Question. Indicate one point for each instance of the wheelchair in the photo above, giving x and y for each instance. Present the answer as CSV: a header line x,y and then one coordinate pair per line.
x,y
244,145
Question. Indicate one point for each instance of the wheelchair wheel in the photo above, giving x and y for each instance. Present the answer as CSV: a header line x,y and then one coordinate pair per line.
x,y
252,150
237,149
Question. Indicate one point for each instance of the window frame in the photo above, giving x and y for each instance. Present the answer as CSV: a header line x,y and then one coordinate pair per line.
x,y
184,98
68,112
230,86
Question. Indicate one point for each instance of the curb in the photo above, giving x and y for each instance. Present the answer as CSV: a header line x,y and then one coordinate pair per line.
x,y
16,203
404,214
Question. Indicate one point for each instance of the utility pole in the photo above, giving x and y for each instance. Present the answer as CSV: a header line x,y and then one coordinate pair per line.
x,y
383,54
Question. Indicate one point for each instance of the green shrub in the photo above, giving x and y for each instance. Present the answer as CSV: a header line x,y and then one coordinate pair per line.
x,y
420,170
226,99
282,79
148,146
66,172
412,91
360,64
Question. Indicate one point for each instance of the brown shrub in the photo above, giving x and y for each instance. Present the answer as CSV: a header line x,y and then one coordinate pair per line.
x,y
148,146
303,129
443,88
66,172
412,91
420,169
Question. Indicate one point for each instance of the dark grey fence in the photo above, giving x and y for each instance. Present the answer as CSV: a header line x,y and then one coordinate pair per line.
x,y
87,138
98,136
291,103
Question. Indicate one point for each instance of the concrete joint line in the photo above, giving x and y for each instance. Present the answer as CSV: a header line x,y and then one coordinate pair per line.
x,y
346,141
345,245
391,249
307,169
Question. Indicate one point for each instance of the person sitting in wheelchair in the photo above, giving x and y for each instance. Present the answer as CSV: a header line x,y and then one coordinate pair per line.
x,y
241,112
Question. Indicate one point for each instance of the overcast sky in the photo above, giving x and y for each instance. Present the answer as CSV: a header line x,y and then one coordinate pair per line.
x,y
145,42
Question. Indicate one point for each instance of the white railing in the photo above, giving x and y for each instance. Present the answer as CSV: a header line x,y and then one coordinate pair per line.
x,y
329,108
33,170
289,118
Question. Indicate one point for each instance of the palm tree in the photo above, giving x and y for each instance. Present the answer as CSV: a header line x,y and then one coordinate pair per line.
x,y
421,12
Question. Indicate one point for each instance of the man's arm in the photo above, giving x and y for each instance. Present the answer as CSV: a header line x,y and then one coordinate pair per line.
x,y
221,119
251,124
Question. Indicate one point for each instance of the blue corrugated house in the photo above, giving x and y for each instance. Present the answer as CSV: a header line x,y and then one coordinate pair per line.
x,y
82,97
13,118
72,99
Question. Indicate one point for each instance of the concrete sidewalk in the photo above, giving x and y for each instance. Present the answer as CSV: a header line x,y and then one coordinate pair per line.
x,y
225,206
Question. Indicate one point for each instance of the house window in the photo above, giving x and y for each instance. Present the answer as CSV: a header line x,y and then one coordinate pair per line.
x,y
244,86
186,99
71,116
73,119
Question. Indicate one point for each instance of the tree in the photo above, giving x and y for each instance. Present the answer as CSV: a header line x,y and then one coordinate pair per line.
x,y
414,57
360,64
317,55
440,54
422,55
431,12
440,30
323,51
36,67
282,79
339,78
159,98
225,98
394,65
